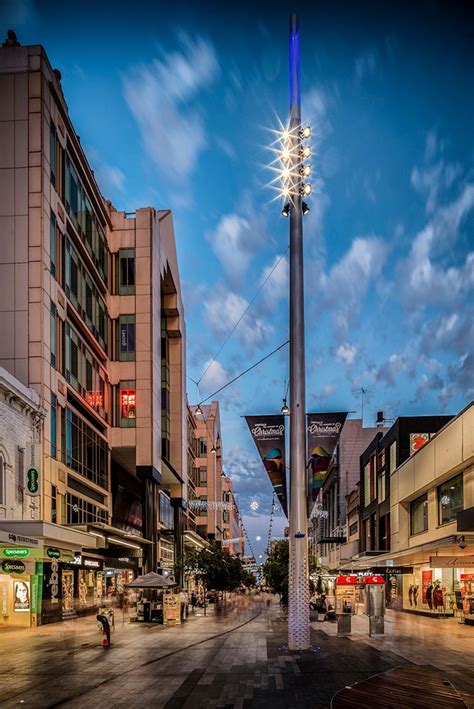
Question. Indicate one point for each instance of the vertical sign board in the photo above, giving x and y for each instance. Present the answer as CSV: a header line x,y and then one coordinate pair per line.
x,y
268,433
52,592
323,435
171,608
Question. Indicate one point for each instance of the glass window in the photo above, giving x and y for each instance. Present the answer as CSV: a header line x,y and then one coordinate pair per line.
x,y
2,481
393,457
86,451
382,491
367,485
419,514
126,272
166,511
127,404
53,334
52,244
450,499
202,447
52,153
54,503
203,475
126,337
54,426
353,528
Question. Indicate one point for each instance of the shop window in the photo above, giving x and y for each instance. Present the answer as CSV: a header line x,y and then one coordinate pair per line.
x,y
419,514
126,272
126,337
450,499
127,404
203,475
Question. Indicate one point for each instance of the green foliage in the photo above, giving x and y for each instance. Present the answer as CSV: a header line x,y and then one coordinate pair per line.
x,y
275,569
215,568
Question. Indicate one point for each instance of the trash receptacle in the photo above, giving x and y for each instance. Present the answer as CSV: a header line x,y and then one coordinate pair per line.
x,y
344,624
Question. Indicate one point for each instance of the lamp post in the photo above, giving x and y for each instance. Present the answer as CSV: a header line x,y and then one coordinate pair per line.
x,y
298,597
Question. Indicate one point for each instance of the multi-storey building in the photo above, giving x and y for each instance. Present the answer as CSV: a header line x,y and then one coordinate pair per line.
x,y
209,471
231,523
92,319
330,515
377,463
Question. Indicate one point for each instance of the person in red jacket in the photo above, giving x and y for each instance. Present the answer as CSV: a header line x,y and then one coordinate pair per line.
x,y
438,597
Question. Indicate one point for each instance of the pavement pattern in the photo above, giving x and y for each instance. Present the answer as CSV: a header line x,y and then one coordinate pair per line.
x,y
236,658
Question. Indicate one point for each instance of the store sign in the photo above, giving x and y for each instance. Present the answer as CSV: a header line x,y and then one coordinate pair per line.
x,y
54,582
467,577
33,482
374,579
347,580
17,539
92,563
448,562
53,553
16,552
13,567
392,570
171,607
417,441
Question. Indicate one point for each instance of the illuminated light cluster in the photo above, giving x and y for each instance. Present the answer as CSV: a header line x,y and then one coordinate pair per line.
x,y
291,166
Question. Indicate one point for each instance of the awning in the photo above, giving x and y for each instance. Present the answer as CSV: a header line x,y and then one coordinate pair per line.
x,y
151,580
193,539
413,555
49,534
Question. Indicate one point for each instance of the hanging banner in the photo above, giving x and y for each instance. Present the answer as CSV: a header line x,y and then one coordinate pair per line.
x,y
268,433
323,435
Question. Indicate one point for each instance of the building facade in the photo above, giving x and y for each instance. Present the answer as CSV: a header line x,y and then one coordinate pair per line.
x,y
330,515
209,517
231,522
378,462
92,320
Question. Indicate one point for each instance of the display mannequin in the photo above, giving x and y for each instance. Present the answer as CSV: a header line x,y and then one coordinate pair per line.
x,y
415,595
429,596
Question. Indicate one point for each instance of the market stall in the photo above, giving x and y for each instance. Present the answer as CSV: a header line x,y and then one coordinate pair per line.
x,y
155,609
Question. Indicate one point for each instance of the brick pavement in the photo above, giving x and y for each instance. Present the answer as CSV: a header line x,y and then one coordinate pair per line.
x,y
203,663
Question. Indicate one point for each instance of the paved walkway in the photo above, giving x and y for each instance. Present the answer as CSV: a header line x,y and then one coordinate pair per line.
x,y
236,659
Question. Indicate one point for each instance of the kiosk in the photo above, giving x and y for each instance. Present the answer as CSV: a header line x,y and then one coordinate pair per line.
x,y
345,592
375,604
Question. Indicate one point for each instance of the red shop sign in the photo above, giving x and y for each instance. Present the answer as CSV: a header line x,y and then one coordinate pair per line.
x,y
347,580
467,577
374,579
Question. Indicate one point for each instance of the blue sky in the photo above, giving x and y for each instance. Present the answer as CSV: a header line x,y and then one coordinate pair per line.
x,y
174,106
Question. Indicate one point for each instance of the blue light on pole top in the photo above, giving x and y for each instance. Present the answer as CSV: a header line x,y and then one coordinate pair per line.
x,y
295,94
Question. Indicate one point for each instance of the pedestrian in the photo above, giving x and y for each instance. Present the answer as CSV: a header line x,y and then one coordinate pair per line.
x,y
194,601
429,596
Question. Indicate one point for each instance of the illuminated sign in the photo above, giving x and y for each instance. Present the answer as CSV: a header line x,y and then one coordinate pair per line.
x,y
12,552
347,580
53,553
32,482
374,579
54,582
95,399
92,563
13,567
127,403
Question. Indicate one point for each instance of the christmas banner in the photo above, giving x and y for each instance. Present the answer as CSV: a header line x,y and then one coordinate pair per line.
x,y
268,433
323,435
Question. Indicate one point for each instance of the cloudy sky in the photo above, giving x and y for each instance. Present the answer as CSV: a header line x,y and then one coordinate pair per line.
x,y
174,103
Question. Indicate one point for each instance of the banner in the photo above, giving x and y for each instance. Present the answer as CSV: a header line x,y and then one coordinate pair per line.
x,y
268,433
323,435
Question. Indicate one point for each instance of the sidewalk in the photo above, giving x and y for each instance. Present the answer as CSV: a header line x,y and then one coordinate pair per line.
x,y
235,658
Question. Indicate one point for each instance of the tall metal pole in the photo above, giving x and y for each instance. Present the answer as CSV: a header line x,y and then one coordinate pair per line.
x,y
298,599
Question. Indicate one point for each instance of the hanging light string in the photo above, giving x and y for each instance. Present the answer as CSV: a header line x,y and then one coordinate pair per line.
x,y
270,526
235,326
234,379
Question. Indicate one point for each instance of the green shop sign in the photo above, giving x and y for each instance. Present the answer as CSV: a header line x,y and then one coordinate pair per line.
x,y
32,481
53,553
13,552
13,567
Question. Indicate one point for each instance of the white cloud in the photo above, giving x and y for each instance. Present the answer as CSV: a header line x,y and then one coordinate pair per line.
x,y
236,238
346,284
215,375
390,369
161,97
276,287
346,353
224,308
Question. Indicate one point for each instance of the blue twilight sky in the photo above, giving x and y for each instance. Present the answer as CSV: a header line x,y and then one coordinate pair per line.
x,y
174,102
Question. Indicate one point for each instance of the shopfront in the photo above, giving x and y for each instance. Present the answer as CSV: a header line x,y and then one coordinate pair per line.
x,y
439,587
20,583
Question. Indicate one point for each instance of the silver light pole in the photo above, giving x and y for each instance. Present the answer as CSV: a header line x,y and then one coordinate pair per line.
x,y
298,606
